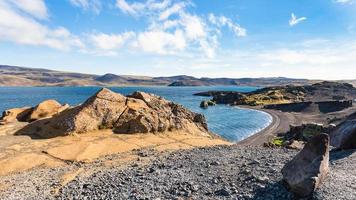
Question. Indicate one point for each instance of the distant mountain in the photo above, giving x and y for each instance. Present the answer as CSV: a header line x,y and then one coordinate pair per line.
x,y
23,76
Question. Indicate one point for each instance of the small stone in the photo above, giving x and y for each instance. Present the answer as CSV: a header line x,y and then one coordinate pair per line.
x,y
215,163
222,192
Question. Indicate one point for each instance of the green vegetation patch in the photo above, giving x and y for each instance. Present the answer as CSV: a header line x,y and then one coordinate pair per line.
x,y
278,141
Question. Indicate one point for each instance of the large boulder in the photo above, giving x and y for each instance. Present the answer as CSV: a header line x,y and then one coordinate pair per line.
x,y
100,111
307,170
15,115
137,113
46,108
344,135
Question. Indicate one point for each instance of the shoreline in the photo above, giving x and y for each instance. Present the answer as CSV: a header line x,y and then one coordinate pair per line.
x,y
281,122
277,125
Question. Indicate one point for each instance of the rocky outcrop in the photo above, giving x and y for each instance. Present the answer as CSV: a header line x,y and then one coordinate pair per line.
x,y
206,103
136,113
305,132
344,136
46,108
330,97
15,115
307,170
231,98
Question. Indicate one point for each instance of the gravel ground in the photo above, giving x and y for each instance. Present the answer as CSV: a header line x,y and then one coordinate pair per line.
x,y
206,173
225,172
340,183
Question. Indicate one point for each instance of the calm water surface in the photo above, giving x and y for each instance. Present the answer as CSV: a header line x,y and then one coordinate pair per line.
x,y
232,123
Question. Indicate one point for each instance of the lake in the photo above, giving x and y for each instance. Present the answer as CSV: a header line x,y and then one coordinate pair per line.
x,y
232,123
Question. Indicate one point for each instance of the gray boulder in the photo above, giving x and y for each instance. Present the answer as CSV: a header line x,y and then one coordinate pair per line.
x,y
344,135
307,170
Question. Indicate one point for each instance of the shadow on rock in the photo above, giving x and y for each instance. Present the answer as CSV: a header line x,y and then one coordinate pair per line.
x,y
40,129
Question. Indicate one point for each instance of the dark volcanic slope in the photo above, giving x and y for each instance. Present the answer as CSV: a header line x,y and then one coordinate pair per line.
x,y
21,76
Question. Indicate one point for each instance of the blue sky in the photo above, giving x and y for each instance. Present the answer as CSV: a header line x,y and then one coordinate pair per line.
x,y
214,38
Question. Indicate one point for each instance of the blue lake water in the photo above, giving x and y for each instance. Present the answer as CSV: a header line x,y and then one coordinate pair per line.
x,y
233,123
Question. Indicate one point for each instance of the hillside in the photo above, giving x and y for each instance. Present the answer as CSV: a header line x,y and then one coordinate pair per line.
x,y
322,91
23,76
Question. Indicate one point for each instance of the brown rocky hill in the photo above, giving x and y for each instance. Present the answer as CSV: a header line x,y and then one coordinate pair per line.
x,y
136,113
22,76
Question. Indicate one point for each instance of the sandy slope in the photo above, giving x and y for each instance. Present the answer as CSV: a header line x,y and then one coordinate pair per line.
x,y
19,153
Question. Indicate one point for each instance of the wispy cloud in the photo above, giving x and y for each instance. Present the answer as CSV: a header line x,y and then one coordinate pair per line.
x,y
93,5
19,24
294,20
36,8
344,1
224,21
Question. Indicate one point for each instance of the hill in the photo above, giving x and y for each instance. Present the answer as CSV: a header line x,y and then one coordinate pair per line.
x,y
322,91
23,76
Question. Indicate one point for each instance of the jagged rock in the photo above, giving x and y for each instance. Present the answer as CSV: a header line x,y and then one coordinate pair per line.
x,y
15,114
204,104
137,113
344,135
306,171
306,131
46,108
137,118
100,111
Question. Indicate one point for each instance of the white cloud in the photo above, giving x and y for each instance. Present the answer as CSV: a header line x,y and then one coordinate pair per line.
x,y
36,8
176,8
344,1
110,41
294,20
137,8
23,29
172,29
94,5
224,21
161,42
323,60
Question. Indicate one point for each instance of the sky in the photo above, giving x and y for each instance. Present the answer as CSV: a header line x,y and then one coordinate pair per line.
x,y
204,38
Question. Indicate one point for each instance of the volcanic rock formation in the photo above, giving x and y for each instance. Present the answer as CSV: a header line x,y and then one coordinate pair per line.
x,y
306,171
136,113
344,136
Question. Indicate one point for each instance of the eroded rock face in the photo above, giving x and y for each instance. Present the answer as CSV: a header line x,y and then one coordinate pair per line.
x,y
15,115
99,112
306,171
344,135
46,108
137,113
